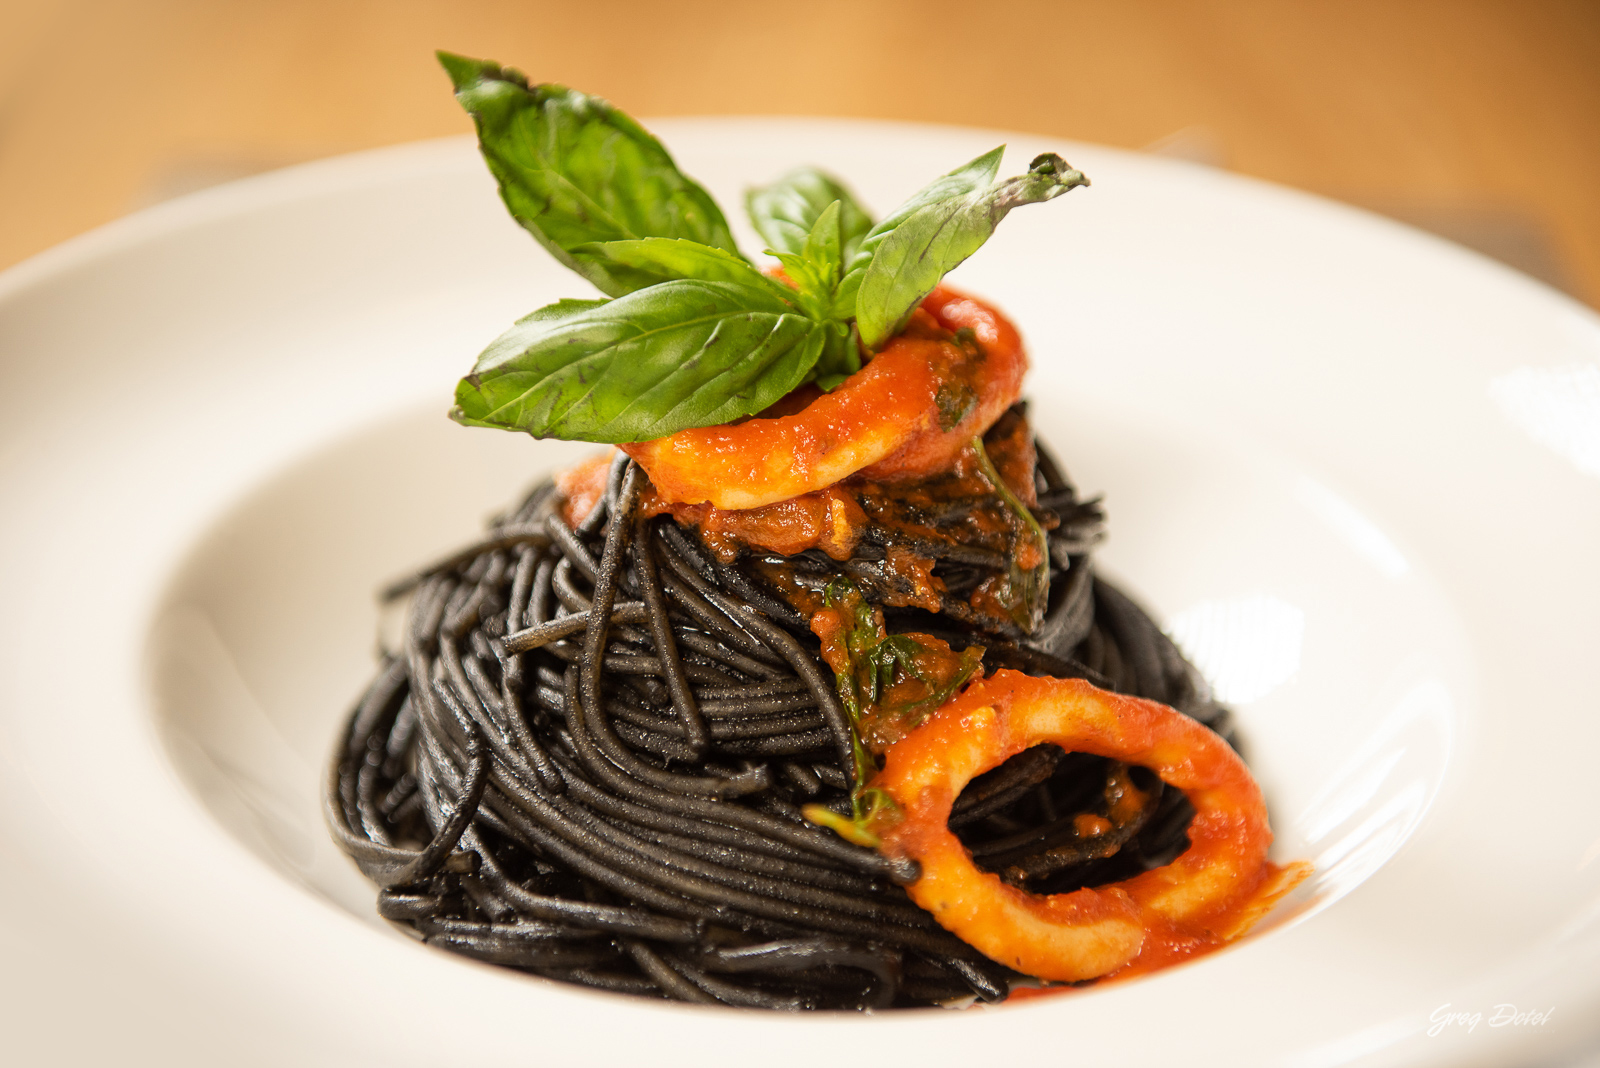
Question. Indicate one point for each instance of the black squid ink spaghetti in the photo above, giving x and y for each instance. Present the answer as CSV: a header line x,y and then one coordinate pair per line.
x,y
808,697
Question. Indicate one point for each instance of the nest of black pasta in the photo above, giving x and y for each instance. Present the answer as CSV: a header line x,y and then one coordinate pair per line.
x,y
588,757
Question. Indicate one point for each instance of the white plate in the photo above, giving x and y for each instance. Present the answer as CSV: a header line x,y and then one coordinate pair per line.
x,y
1354,467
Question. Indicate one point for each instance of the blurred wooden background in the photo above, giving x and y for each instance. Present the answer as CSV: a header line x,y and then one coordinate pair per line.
x,y
1479,119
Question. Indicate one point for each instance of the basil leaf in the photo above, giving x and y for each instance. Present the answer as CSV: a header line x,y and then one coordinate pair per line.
x,y
824,247
968,178
561,309
974,175
785,212
676,355
573,170
647,261
931,240
816,268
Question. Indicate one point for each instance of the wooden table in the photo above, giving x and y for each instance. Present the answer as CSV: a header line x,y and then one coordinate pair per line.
x,y
1479,119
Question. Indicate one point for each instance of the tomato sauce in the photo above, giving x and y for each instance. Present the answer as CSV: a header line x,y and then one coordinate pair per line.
x,y
907,413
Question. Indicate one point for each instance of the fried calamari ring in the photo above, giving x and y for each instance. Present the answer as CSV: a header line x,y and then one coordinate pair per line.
x,y
1208,895
906,413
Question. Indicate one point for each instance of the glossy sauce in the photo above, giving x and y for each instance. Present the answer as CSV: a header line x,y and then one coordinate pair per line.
x,y
906,414
910,518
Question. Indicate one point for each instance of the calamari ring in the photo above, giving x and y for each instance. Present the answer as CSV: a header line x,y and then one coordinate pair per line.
x,y
883,421
1207,896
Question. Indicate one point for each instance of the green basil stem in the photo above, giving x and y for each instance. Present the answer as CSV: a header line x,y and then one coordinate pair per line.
x,y
865,768
1027,589
861,640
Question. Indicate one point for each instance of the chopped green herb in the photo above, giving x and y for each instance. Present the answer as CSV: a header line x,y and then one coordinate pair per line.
x,y
1024,590
888,684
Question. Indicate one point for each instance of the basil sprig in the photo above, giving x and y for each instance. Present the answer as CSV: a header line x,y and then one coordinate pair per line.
x,y
696,334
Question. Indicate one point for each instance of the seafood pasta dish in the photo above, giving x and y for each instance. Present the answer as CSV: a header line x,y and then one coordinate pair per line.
x,y
803,692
